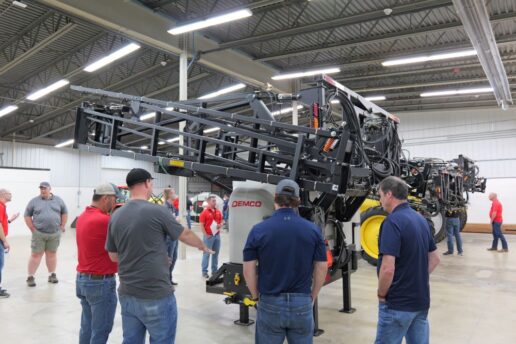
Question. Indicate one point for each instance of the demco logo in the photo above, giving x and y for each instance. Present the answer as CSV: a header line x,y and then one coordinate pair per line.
x,y
255,204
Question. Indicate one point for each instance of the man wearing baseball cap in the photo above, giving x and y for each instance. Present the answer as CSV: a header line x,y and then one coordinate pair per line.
x,y
46,217
136,240
285,290
96,282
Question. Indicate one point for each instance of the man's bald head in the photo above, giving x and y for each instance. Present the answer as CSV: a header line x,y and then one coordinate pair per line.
x,y
493,196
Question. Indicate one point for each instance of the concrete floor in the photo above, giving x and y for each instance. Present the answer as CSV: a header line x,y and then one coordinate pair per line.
x,y
473,301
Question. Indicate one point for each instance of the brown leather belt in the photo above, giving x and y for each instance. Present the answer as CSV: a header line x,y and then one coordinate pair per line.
x,y
96,277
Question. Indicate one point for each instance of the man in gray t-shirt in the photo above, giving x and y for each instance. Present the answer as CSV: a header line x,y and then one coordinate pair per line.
x,y
46,217
136,240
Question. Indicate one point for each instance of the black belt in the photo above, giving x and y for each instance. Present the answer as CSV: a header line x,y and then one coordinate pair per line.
x,y
96,277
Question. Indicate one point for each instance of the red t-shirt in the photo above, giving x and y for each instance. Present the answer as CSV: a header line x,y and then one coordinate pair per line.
x,y
208,216
92,226
496,206
3,218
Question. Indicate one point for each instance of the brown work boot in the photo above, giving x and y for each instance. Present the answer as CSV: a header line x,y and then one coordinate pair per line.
x,y
504,250
31,282
52,278
492,249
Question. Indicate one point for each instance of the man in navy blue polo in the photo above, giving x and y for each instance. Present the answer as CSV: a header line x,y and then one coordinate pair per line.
x,y
407,257
291,255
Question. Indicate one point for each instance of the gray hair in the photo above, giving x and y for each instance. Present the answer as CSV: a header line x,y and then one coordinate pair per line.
x,y
4,191
396,186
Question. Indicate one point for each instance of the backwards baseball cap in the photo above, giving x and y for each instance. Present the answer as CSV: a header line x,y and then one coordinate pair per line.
x,y
44,185
137,175
105,189
287,187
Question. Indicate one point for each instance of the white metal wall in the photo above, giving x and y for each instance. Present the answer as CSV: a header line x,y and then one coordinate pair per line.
x,y
487,135
73,174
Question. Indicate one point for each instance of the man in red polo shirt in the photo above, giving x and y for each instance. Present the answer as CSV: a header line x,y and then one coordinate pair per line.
x,y
5,196
211,223
96,283
495,215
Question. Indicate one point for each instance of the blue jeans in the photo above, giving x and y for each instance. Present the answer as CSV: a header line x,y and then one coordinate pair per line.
x,y
285,316
497,234
189,220
393,325
158,317
453,230
225,215
98,301
213,243
2,259
172,253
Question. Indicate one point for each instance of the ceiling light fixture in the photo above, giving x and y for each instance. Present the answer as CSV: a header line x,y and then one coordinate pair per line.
x,y
7,110
19,4
174,139
65,143
112,57
375,98
147,116
305,73
285,110
217,20
223,91
457,92
426,58
49,89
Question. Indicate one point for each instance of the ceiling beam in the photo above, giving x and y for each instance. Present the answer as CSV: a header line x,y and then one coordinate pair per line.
x,y
140,23
460,65
426,84
38,47
338,22
423,30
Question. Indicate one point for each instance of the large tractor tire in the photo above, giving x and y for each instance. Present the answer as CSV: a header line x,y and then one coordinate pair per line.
x,y
463,218
370,222
439,225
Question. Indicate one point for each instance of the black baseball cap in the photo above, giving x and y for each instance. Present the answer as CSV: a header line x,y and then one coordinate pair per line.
x,y
137,175
287,187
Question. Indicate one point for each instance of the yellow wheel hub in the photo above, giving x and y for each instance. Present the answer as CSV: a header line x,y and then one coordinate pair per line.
x,y
369,233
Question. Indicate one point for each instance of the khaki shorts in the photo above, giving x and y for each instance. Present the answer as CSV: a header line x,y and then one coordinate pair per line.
x,y
44,241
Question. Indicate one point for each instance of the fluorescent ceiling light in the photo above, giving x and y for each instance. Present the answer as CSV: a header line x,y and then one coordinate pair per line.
x,y
456,92
174,139
375,98
433,57
65,143
222,19
161,143
211,130
223,91
144,147
19,4
7,110
150,115
305,73
147,116
49,89
285,110
112,57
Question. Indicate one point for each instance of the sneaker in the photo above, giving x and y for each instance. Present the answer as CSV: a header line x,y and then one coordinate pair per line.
x,y
4,294
205,276
460,253
504,250
31,282
447,253
492,249
52,278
